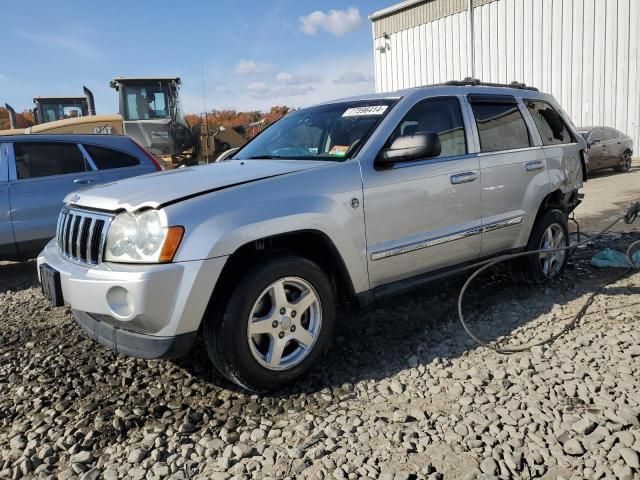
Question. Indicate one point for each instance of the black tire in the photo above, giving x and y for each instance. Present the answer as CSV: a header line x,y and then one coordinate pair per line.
x,y
529,269
625,162
225,332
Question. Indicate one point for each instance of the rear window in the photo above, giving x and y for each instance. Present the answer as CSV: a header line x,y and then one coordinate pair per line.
x,y
610,134
500,126
106,158
46,159
550,125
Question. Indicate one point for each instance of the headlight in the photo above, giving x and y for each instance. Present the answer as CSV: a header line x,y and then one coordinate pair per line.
x,y
141,238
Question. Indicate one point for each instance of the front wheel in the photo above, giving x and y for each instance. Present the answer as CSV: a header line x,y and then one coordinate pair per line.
x,y
277,323
550,232
625,163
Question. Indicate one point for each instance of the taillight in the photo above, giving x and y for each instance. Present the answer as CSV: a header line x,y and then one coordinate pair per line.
x,y
150,156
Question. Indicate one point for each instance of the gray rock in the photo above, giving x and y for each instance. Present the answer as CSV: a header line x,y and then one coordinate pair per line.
x,y
584,426
82,457
573,447
489,466
136,455
631,457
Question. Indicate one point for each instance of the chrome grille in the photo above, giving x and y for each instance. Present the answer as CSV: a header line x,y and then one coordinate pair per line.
x,y
82,235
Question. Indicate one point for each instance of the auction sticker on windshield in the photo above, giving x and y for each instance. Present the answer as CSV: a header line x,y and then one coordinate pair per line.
x,y
367,110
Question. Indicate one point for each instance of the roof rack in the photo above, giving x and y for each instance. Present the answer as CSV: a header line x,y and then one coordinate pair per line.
x,y
468,81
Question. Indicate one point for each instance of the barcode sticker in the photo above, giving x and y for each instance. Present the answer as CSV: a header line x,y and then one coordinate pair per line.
x,y
368,110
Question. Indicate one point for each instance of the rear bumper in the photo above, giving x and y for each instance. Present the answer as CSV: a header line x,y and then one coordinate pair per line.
x,y
132,343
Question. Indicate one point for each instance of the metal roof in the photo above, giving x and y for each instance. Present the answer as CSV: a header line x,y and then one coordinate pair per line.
x,y
394,8
411,13
82,98
136,79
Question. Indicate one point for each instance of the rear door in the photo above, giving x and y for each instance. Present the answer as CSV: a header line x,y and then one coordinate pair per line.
x,y
41,174
115,164
560,147
7,241
512,171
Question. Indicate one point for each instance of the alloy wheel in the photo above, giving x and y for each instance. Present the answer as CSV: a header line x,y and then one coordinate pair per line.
x,y
625,163
284,323
551,262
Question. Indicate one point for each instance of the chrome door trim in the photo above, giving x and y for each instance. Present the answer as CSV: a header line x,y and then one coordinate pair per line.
x,y
4,163
87,157
511,150
412,247
509,222
11,158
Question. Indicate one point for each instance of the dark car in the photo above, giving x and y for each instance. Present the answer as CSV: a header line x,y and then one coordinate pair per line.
x,y
37,171
608,148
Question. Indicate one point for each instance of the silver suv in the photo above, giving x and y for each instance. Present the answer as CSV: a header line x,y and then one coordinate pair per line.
x,y
356,198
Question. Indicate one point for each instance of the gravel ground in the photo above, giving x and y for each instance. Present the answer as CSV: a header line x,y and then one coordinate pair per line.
x,y
404,393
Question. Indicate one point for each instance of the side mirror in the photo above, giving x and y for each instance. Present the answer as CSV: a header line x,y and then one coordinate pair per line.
x,y
410,147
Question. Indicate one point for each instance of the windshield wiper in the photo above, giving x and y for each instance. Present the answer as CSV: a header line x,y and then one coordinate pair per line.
x,y
266,157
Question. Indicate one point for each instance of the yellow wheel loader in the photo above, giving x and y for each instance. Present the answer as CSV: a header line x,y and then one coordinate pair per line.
x,y
150,113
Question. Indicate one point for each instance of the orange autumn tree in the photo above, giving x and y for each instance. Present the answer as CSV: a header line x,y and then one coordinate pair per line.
x,y
24,119
239,120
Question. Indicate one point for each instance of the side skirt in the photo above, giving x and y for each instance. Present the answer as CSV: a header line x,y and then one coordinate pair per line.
x,y
368,297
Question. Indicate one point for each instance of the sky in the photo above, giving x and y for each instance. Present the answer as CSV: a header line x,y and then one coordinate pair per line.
x,y
248,55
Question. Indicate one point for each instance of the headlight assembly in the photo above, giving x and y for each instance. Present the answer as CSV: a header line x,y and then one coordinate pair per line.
x,y
142,238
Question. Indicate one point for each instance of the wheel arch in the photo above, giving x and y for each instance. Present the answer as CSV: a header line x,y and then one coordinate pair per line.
x,y
314,245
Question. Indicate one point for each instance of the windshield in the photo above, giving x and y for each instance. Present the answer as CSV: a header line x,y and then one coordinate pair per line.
x,y
326,132
146,103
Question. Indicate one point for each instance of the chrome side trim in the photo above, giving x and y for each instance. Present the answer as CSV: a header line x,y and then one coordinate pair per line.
x,y
412,247
509,222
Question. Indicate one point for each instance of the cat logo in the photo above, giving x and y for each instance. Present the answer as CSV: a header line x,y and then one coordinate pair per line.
x,y
106,130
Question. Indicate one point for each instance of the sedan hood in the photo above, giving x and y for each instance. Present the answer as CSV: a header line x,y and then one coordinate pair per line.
x,y
163,188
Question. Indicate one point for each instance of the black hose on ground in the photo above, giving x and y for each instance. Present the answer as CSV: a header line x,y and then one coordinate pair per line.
x,y
629,217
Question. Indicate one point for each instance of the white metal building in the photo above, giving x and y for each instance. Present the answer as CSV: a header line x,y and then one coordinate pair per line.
x,y
584,52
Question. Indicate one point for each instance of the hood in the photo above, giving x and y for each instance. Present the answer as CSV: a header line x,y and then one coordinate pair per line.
x,y
163,188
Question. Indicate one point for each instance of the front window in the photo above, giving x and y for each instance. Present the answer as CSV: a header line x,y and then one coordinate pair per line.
x,y
327,132
146,102
60,111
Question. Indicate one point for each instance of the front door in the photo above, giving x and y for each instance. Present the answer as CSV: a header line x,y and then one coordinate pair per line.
x,y
42,175
424,215
7,241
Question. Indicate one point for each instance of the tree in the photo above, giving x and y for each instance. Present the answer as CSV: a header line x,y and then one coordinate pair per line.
x,y
23,120
239,120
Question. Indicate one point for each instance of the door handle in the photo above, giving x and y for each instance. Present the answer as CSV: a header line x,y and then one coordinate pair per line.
x,y
84,181
465,177
534,166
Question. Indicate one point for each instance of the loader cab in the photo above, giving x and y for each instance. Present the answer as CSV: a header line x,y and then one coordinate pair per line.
x,y
50,109
150,108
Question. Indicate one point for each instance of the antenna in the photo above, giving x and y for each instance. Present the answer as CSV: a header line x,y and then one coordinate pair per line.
x,y
206,119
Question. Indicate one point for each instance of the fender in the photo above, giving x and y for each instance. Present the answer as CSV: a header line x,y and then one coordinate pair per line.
x,y
321,199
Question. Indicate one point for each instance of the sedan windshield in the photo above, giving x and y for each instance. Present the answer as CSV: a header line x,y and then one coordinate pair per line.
x,y
326,132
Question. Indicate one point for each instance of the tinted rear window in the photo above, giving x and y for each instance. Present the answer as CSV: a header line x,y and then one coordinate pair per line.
x,y
45,159
500,127
106,158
